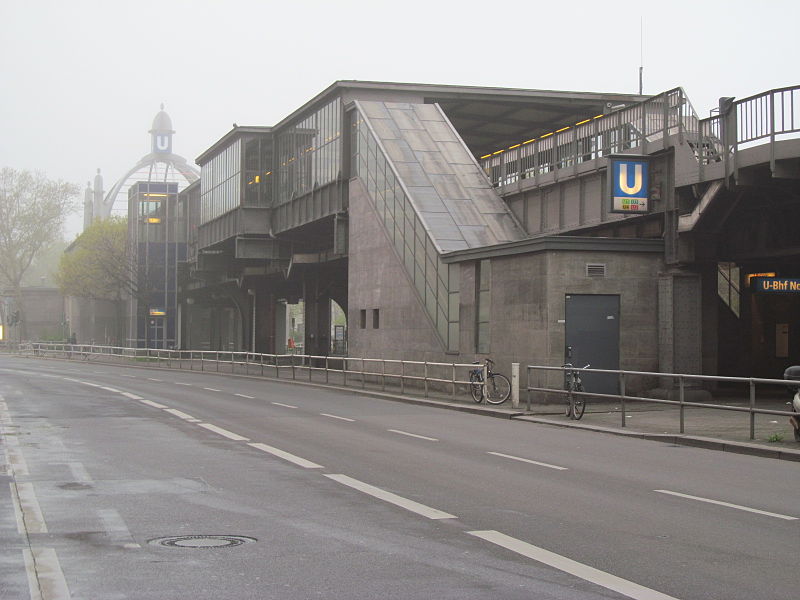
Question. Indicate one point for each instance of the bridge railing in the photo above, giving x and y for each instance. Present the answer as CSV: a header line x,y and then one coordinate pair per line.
x,y
636,126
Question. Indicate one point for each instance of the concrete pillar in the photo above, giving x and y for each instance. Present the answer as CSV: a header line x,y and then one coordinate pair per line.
x,y
680,323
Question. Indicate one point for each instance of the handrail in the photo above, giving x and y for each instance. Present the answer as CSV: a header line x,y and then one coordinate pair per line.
x,y
682,379
653,120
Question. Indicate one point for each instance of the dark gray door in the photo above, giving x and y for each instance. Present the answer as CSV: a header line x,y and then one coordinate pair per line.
x,y
592,333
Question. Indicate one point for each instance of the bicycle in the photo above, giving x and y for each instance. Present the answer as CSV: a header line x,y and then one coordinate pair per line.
x,y
575,400
496,389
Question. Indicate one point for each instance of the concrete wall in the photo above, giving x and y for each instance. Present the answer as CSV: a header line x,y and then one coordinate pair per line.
x,y
378,280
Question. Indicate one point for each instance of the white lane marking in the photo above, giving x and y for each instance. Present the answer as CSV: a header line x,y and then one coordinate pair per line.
x,y
153,404
110,389
178,383
228,434
30,514
301,462
422,437
284,405
337,417
567,565
131,376
182,415
153,379
211,389
131,396
45,577
116,529
79,472
527,460
245,396
97,385
14,455
729,505
415,507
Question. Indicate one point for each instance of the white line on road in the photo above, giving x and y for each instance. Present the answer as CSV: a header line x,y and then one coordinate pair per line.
x,y
79,472
153,404
116,529
153,379
245,396
415,507
228,434
26,507
109,389
527,460
131,396
179,383
337,417
45,577
131,376
182,415
284,405
211,389
567,565
729,505
301,462
422,437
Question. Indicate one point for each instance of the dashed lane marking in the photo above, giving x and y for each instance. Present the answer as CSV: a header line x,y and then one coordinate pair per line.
x,y
414,435
301,462
729,505
224,432
153,404
567,565
284,405
245,396
410,505
181,415
527,460
337,417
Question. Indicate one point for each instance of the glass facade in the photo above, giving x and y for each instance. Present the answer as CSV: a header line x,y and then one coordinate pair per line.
x,y
220,182
435,281
258,171
309,152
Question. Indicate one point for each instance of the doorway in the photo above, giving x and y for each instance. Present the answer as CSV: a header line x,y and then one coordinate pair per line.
x,y
592,337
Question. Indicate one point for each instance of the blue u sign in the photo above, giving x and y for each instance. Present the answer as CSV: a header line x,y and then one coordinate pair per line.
x,y
630,184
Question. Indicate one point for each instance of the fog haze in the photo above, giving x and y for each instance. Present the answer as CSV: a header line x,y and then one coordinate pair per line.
x,y
82,80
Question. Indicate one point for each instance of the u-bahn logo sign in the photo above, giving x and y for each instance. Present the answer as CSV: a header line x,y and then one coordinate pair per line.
x,y
629,183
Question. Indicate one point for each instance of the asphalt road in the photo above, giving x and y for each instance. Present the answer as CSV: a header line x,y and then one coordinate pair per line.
x,y
336,495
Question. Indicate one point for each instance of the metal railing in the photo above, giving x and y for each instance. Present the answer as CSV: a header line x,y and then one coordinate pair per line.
x,y
682,380
367,373
637,126
771,115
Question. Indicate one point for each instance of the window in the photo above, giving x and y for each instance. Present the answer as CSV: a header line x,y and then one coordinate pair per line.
x,y
362,321
483,277
376,318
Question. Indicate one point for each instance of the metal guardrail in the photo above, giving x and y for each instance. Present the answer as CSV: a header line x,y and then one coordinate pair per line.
x,y
653,120
769,115
422,375
681,403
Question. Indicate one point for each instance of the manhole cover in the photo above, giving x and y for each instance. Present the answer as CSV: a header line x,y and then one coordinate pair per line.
x,y
202,541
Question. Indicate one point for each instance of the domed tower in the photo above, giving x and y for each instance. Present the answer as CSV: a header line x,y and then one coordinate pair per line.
x,y
160,165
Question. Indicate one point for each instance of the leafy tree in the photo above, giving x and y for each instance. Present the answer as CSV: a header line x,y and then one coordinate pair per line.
x,y
32,212
98,265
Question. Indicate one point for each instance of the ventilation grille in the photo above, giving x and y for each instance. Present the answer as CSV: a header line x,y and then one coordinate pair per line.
x,y
595,270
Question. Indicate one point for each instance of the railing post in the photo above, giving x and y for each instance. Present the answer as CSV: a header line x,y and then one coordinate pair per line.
x,y
752,409
363,376
402,377
515,385
326,369
528,385
622,395
383,374
682,400
454,382
344,372
425,379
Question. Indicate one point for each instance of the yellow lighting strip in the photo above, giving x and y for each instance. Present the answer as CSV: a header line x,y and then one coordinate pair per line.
x,y
540,137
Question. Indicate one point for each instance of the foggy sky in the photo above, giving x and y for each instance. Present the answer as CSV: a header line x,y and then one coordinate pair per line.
x,y
82,80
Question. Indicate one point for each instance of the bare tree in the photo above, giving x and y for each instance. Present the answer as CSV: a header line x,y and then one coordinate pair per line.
x,y
32,213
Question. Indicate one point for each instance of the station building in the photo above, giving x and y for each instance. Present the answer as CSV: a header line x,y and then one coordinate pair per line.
x,y
449,223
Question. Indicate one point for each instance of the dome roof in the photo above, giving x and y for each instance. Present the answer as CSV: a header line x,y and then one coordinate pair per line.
x,y
162,123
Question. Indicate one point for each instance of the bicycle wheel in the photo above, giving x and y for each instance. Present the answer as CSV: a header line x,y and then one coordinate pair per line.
x,y
498,389
475,388
580,404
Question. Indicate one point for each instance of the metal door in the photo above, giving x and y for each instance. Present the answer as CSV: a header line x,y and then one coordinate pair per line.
x,y
592,336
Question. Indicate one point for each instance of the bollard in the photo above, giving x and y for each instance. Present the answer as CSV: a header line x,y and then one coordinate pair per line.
x,y
514,385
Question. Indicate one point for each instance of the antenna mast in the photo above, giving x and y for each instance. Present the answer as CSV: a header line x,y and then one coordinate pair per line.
x,y
641,52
